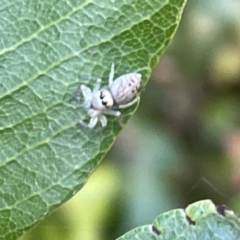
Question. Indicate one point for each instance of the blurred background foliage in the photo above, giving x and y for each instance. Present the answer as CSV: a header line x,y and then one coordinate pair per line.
x,y
183,143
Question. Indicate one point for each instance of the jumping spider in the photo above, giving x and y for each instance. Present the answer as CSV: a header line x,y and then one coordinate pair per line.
x,y
119,92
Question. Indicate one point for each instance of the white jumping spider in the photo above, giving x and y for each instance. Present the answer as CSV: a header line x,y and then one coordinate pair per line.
x,y
119,92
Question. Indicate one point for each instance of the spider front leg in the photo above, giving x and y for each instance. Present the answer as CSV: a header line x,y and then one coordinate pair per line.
x,y
87,94
94,117
86,91
97,85
91,124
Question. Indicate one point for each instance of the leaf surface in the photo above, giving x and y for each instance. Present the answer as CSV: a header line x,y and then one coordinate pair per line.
x,y
200,220
46,156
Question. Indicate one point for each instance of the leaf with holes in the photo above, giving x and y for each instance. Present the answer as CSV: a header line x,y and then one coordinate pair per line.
x,y
46,156
200,220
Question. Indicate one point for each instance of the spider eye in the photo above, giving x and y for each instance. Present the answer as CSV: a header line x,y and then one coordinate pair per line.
x,y
101,95
105,99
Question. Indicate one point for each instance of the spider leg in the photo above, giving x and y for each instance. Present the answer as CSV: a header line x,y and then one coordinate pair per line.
x,y
93,122
93,113
94,117
83,123
86,91
113,113
87,94
130,103
111,75
97,85
103,120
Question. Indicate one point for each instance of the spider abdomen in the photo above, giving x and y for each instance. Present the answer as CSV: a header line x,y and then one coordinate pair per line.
x,y
125,87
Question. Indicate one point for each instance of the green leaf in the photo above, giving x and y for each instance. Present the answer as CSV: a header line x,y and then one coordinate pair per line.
x,y
200,220
46,156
